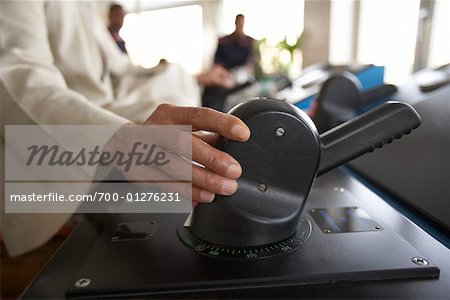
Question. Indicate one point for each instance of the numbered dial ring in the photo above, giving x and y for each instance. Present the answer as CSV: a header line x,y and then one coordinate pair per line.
x,y
248,253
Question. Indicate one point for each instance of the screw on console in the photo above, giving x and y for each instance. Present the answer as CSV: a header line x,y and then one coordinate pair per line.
x,y
83,282
419,261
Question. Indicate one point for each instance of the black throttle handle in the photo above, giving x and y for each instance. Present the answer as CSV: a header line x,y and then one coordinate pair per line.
x,y
366,132
279,164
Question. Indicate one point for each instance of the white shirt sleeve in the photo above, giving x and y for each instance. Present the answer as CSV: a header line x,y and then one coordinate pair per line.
x,y
33,91
29,76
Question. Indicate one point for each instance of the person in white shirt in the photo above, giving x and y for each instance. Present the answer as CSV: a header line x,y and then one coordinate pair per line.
x,y
60,66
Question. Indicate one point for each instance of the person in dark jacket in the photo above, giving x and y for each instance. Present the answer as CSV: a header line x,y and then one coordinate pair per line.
x,y
236,49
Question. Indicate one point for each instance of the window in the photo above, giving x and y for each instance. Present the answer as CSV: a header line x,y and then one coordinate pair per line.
x,y
273,19
342,25
174,34
387,36
439,53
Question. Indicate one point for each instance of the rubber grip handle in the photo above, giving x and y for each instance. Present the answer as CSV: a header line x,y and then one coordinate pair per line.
x,y
365,133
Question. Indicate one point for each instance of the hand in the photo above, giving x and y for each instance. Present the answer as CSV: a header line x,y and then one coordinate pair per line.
x,y
211,171
217,76
219,170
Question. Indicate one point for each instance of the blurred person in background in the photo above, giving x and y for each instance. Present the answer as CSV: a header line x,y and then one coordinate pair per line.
x,y
234,53
115,22
235,49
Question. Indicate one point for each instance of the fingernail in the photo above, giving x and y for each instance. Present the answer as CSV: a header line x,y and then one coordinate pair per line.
x,y
206,196
240,132
234,171
194,203
229,187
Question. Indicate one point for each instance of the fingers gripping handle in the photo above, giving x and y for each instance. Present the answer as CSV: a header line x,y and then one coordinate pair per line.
x,y
363,134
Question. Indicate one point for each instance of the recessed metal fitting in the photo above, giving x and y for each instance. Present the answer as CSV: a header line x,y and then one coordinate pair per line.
x,y
327,231
338,189
419,261
83,282
280,131
262,187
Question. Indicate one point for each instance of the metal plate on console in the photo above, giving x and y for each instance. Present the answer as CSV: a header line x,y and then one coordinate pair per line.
x,y
133,231
343,219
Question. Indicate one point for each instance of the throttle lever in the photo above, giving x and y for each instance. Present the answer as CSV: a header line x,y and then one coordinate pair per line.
x,y
280,161
365,133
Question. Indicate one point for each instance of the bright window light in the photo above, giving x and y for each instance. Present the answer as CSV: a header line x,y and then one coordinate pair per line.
x,y
440,35
174,34
341,31
271,19
387,36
